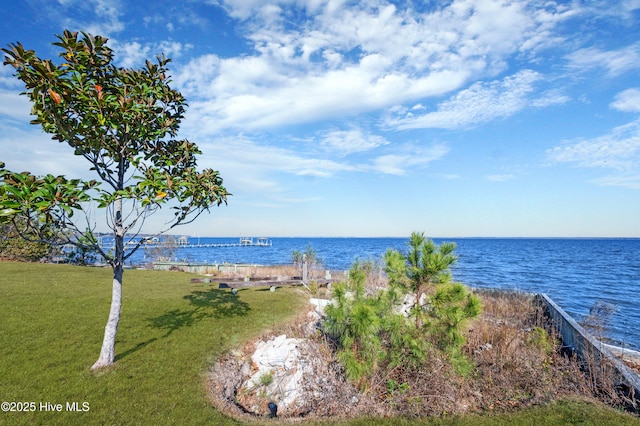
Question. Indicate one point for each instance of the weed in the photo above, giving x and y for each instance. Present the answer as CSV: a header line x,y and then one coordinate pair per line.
x,y
266,378
540,338
313,288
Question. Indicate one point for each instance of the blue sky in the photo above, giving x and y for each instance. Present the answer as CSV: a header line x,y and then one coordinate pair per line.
x,y
458,118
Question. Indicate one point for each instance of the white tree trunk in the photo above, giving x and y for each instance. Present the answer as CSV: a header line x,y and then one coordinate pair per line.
x,y
107,353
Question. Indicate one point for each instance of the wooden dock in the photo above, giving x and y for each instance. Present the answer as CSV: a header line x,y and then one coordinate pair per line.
x,y
182,243
259,282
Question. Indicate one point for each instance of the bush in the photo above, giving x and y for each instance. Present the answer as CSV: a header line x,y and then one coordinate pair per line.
x,y
14,247
369,329
355,320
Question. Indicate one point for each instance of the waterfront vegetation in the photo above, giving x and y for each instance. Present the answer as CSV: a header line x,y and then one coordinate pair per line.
x,y
171,332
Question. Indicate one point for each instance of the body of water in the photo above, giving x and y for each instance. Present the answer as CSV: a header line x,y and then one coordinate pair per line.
x,y
576,273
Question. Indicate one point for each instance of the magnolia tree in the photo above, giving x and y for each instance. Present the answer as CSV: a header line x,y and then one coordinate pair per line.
x,y
124,122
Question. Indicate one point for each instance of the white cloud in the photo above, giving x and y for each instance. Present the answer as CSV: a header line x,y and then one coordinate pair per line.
x,y
133,54
415,32
14,105
7,79
479,103
351,141
631,5
130,54
172,49
106,21
627,100
615,62
346,59
255,167
408,157
108,11
617,9
631,181
392,164
242,153
550,97
181,19
31,149
618,150
304,99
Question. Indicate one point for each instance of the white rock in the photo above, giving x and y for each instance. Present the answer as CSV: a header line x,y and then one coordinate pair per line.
x,y
407,303
276,353
282,358
320,304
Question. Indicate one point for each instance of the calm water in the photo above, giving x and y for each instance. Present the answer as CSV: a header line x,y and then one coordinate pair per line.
x,y
576,273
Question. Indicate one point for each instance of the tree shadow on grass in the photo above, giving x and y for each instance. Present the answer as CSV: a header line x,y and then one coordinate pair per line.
x,y
212,303
134,349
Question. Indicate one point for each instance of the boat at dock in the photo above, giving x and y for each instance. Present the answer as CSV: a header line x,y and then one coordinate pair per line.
x,y
259,242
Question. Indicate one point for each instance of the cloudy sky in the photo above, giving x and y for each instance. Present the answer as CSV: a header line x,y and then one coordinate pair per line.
x,y
458,118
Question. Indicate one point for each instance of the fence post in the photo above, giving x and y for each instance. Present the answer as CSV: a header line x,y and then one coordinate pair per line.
x,y
304,268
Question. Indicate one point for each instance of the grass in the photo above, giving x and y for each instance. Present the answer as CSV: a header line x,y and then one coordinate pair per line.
x,y
573,412
51,327
52,319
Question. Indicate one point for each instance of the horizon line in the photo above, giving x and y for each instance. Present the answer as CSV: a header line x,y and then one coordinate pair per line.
x,y
404,237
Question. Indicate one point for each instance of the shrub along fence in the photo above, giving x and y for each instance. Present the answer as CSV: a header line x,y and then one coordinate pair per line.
x,y
595,354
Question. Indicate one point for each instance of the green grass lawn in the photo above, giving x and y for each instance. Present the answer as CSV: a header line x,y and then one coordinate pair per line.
x,y
583,413
52,319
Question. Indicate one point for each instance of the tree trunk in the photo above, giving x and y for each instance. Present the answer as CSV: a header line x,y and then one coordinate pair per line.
x,y
418,307
107,353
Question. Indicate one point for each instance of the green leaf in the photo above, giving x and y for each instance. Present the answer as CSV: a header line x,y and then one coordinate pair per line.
x,y
8,212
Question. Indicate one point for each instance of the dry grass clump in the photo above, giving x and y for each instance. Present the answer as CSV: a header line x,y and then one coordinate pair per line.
x,y
602,380
257,271
518,361
272,272
517,364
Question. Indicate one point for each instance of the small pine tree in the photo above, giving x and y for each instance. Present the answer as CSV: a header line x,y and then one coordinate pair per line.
x,y
355,320
441,308
371,334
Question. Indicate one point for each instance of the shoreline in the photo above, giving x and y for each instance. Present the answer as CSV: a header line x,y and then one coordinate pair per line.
x,y
625,354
